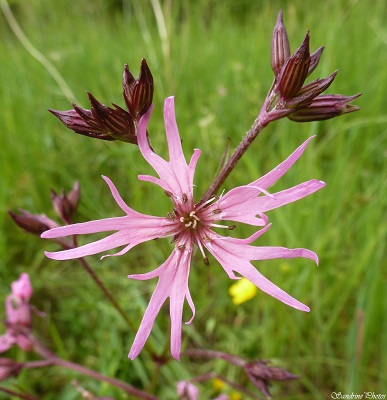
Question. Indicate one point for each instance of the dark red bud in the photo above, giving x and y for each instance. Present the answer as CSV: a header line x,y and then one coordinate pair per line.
x,y
260,374
66,205
325,107
33,223
310,91
280,48
138,93
9,368
295,71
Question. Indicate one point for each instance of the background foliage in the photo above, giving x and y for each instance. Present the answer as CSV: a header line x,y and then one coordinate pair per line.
x,y
214,57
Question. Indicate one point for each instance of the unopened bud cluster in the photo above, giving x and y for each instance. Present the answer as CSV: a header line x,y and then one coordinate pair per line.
x,y
289,95
106,123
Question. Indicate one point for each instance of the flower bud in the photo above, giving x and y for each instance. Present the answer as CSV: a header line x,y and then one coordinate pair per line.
x,y
66,205
106,123
8,368
325,107
33,223
261,374
308,92
280,48
138,93
295,71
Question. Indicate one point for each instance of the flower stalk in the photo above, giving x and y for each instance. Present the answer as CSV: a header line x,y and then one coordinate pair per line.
x,y
53,359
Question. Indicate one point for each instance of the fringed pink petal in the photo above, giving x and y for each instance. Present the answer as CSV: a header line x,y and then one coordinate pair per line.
x,y
176,155
117,197
271,177
240,205
115,240
271,252
159,182
158,163
177,296
158,298
279,199
100,225
121,252
250,272
233,255
240,248
156,272
194,160
191,305
247,240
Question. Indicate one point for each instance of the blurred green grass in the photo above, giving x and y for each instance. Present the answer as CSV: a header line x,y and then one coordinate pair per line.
x,y
215,60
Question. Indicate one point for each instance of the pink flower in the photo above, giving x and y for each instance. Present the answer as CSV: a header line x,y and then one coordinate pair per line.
x,y
18,315
190,224
187,390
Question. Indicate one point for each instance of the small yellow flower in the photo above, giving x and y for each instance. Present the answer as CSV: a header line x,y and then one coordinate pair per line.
x,y
242,291
218,384
235,396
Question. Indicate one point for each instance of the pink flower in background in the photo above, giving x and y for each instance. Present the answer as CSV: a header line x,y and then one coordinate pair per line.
x,y
18,315
187,390
192,224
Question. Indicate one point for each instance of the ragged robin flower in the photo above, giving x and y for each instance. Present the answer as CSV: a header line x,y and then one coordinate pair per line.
x,y
289,95
102,122
192,224
18,312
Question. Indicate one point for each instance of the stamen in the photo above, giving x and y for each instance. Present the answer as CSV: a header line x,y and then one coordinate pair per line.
x,y
199,244
206,261
193,215
194,223
230,227
206,202
182,219
185,198
181,247
188,224
168,193
217,211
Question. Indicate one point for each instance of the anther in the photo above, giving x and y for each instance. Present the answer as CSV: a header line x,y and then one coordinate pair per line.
x,y
185,198
168,193
193,215
231,227
217,211
181,247
206,261
171,216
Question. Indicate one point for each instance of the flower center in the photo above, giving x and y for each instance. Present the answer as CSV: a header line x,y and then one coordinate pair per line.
x,y
190,220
